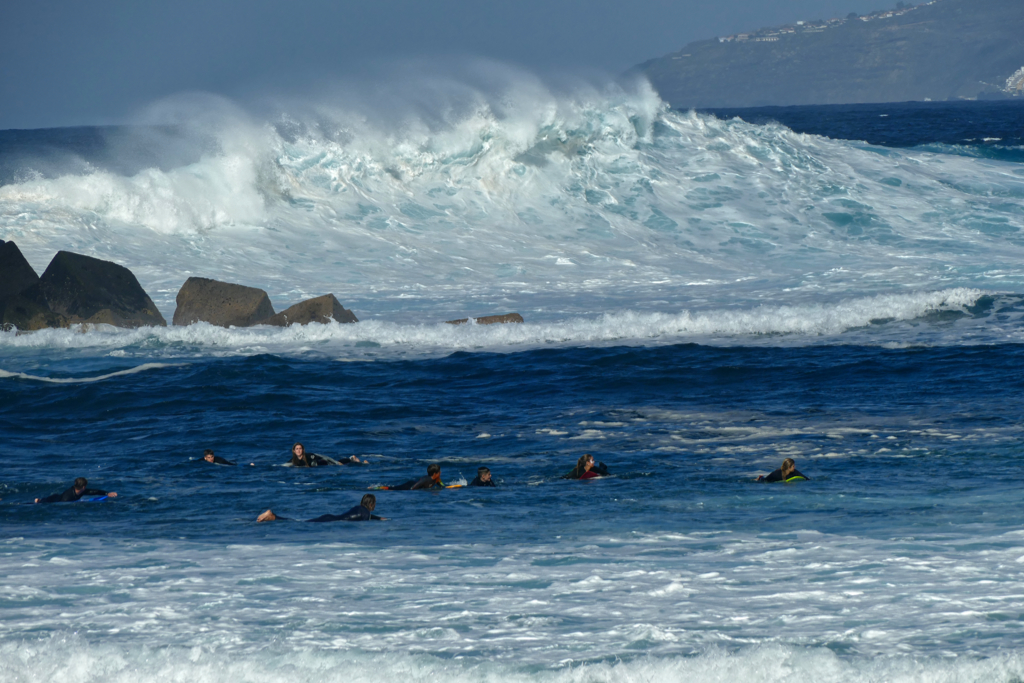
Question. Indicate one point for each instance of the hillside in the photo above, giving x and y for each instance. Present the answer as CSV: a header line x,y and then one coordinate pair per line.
x,y
945,49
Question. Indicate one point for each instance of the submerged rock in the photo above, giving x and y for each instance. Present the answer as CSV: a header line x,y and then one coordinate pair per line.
x,y
489,319
89,290
221,303
322,309
22,304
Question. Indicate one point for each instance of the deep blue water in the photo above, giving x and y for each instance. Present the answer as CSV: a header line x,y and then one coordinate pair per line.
x,y
141,435
901,559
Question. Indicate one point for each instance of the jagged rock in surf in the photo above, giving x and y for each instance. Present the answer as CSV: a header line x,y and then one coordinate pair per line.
x,y
22,304
89,290
322,309
489,319
221,303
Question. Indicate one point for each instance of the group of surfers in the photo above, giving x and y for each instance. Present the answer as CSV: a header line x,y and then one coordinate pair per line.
x,y
586,468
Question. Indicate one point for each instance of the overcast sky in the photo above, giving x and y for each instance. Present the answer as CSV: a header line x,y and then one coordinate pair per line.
x,y
69,62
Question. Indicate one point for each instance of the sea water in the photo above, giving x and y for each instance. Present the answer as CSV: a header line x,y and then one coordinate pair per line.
x,y
704,296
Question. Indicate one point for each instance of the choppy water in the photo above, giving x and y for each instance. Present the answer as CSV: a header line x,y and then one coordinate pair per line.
x,y
703,297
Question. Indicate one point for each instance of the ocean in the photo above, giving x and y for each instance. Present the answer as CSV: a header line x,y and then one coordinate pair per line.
x,y
704,295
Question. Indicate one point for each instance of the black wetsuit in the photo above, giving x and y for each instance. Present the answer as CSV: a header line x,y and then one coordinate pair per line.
x,y
416,484
356,514
479,482
71,495
777,476
312,460
217,460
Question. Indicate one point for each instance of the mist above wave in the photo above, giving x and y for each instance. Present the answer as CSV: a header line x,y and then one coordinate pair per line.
x,y
460,198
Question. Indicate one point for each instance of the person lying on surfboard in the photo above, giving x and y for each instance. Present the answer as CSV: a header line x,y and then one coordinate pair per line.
x,y
431,481
360,513
208,456
77,490
300,458
788,472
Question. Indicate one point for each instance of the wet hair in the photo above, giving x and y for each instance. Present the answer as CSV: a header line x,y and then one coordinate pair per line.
x,y
482,471
432,469
787,463
298,444
208,451
81,483
369,501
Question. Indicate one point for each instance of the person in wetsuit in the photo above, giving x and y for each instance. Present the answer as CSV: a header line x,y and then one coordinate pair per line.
x,y
431,481
483,477
586,469
209,457
77,490
788,472
360,513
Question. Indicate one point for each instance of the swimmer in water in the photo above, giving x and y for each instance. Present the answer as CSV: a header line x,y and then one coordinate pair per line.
x,y
360,513
431,481
209,457
77,490
788,472
586,469
483,478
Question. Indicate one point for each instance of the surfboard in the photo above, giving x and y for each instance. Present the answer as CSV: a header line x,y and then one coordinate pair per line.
x,y
93,499
328,460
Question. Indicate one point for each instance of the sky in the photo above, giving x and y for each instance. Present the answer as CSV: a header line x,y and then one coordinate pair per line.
x,y
68,62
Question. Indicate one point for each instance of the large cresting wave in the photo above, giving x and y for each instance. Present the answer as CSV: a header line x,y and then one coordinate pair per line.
x,y
590,202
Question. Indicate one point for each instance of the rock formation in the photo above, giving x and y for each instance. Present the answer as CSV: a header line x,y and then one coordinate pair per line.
x,y
22,304
489,319
221,303
90,290
322,309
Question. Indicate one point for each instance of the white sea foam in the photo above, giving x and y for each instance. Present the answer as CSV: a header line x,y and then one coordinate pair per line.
x,y
802,323
73,659
559,204
84,380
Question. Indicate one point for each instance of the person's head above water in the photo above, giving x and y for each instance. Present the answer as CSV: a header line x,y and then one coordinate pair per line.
x,y
81,483
788,466
369,501
299,451
208,455
434,471
483,473
585,462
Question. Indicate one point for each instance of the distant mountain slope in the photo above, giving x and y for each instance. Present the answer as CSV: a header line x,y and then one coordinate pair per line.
x,y
946,49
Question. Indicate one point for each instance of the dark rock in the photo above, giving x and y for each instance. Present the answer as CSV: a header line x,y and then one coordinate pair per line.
x,y
221,303
16,275
322,309
489,319
22,304
90,290
28,311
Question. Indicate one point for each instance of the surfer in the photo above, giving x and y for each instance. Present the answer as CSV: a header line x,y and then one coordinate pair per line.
x,y
788,472
483,477
300,458
208,456
360,513
77,490
586,469
431,481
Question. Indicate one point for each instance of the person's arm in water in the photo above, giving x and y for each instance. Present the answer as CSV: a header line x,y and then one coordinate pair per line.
x,y
55,498
222,461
